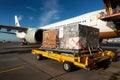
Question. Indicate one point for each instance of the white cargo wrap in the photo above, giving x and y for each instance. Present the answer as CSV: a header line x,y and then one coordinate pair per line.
x,y
79,37
72,43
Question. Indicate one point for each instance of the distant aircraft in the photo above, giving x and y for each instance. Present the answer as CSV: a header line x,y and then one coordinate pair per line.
x,y
107,29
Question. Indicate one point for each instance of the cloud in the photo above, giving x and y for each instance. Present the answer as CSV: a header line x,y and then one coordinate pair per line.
x,y
50,12
31,18
30,8
20,17
41,9
56,17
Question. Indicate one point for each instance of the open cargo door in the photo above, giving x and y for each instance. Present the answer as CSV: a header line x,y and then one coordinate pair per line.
x,y
112,6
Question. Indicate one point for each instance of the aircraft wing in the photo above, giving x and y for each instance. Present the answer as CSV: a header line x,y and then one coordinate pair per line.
x,y
9,28
7,32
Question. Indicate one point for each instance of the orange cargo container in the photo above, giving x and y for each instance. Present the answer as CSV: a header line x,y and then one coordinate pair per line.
x,y
50,39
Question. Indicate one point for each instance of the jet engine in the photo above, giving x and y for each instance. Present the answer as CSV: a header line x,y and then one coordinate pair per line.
x,y
34,35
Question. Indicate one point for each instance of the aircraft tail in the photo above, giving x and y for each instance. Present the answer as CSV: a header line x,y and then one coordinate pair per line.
x,y
17,22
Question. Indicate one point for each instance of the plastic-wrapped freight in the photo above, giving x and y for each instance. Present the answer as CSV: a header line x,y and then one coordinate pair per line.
x,y
78,37
50,39
71,37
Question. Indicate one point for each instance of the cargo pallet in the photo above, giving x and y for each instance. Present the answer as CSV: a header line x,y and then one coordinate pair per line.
x,y
87,59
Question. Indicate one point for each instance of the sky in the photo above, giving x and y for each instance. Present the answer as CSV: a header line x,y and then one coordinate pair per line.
x,y
37,13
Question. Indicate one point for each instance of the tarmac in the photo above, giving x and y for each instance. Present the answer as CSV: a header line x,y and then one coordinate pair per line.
x,y
17,63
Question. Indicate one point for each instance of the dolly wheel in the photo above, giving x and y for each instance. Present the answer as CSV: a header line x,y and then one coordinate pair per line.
x,y
39,57
67,66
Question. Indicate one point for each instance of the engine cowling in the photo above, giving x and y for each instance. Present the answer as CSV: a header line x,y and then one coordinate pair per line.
x,y
34,35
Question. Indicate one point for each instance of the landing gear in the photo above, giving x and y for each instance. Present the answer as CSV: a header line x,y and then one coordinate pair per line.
x,y
24,43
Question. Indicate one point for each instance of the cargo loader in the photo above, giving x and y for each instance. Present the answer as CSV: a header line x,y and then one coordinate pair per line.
x,y
74,45
84,59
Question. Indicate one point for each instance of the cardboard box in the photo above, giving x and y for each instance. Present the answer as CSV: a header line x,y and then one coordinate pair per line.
x,y
71,37
50,39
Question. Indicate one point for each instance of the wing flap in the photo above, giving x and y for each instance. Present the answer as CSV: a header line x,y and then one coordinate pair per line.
x,y
9,28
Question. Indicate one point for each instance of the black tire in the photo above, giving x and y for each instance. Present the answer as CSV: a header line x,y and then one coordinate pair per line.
x,y
39,57
114,59
67,66
24,43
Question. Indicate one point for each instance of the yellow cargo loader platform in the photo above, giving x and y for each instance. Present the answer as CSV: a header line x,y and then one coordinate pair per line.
x,y
87,60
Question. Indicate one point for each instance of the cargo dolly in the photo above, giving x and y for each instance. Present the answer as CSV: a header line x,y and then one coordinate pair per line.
x,y
73,45
87,59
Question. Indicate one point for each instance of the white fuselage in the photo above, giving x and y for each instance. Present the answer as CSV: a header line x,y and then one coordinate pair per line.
x,y
89,19
21,35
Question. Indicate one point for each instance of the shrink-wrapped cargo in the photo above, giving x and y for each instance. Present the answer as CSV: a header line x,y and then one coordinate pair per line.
x,y
78,37
50,39
71,37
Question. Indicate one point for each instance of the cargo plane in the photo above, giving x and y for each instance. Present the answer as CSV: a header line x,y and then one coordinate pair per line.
x,y
108,28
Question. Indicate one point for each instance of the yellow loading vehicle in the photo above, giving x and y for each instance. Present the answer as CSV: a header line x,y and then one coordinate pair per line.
x,y
87,59
74,45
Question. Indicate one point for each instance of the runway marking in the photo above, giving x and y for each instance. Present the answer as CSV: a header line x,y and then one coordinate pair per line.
x,y
107,73
11,69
